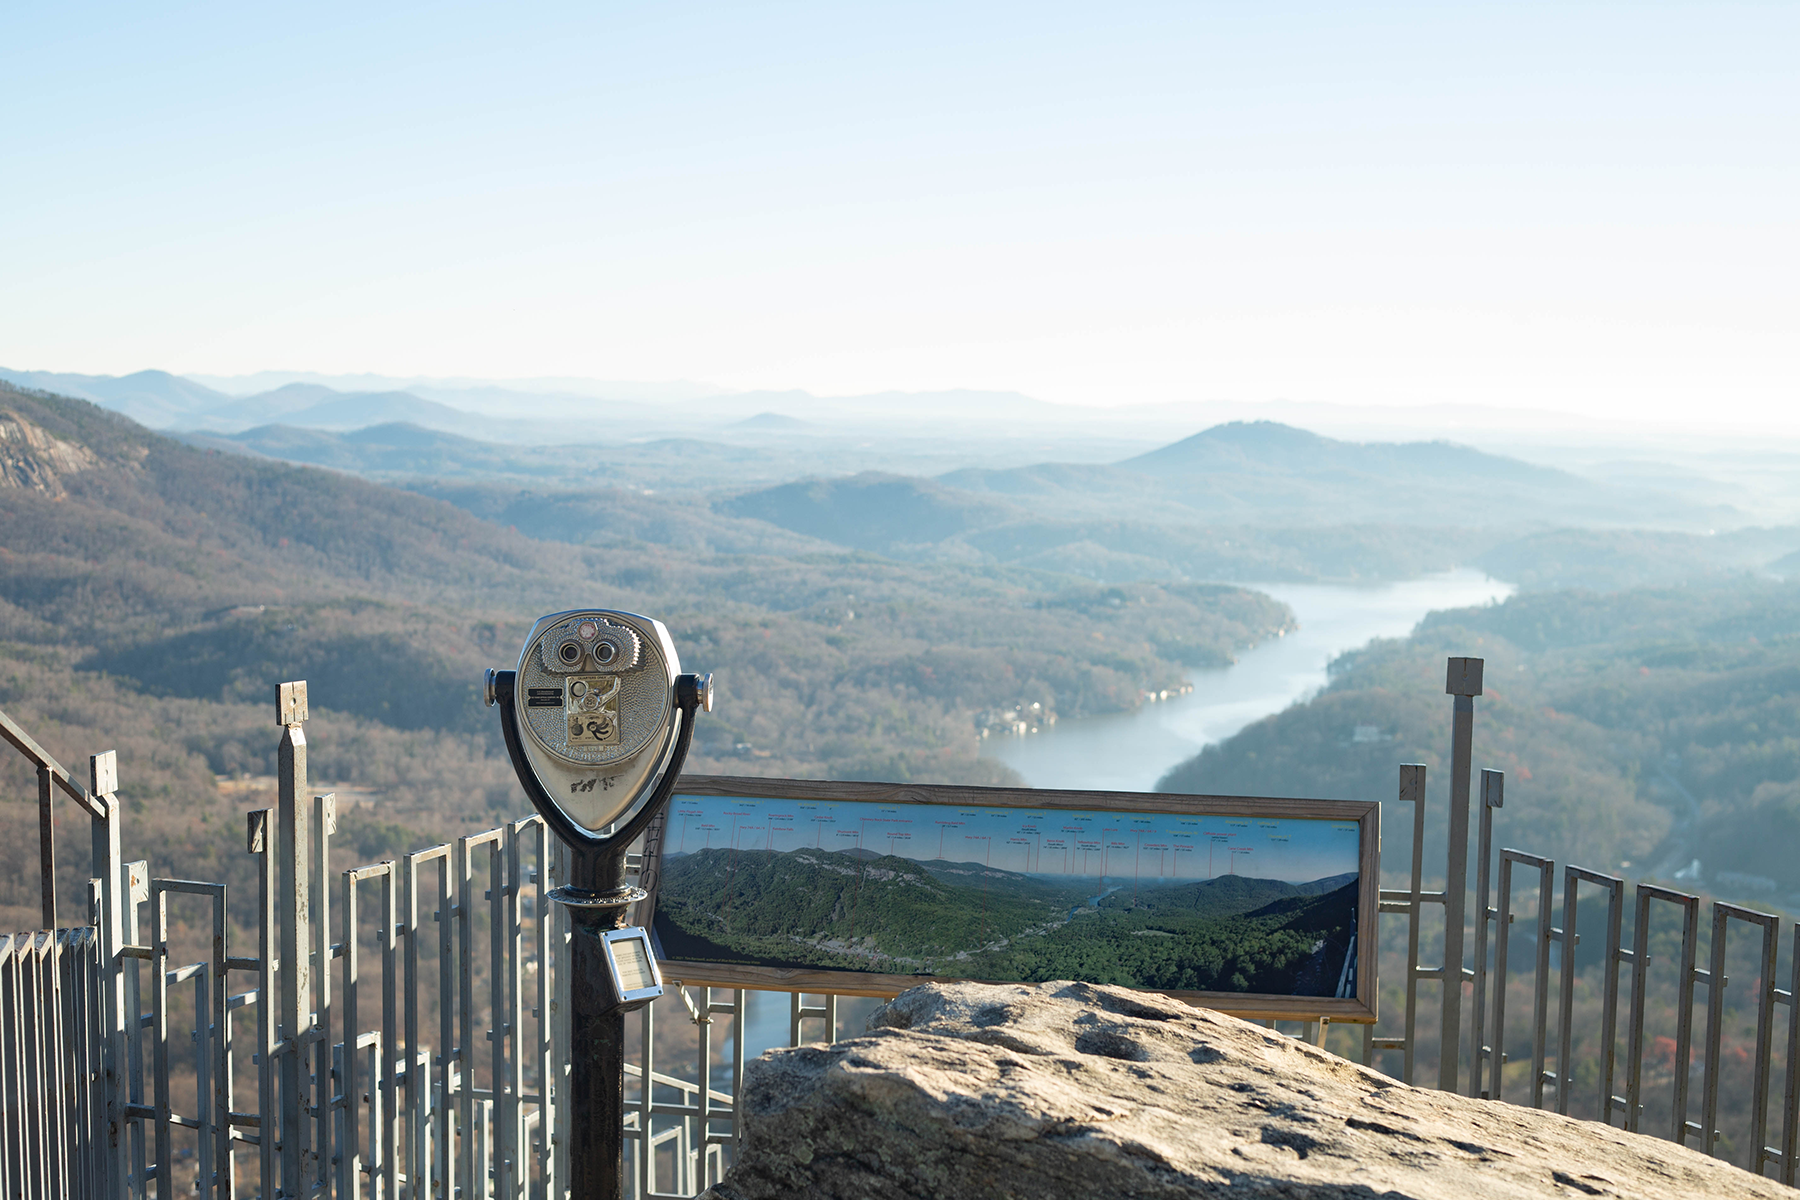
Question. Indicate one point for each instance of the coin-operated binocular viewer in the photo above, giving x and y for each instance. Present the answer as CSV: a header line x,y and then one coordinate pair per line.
x,y
598,719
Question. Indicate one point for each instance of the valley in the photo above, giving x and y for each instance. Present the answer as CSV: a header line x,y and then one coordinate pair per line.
x,y
892,915
860,623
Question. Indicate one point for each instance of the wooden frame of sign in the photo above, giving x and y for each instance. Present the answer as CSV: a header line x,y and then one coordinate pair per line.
x,y
787,843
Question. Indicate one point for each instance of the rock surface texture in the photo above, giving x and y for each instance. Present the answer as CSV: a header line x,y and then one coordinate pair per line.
x,y
1070,1091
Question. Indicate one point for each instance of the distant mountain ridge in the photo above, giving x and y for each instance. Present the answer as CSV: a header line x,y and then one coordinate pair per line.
x,y
870,511
1264,471
316,407
1284,450
155,399
528,408
1260,473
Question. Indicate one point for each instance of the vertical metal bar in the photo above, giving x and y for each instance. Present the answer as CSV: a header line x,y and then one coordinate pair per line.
x,y
65,1111
203,1083
519,1049
43,1044
32,1060
137,877
739,1035
472,1186
1502,957
102,1181
1634,1022
484,1144
371,1046
24,1056
389,1046
66,983
109,867
1493,796
297,1154
260,834
416,1167
1715,1028
562,1005
546,929
159,1036
349,1156
44,1076
319,1053
225,1180
1790,1101
46,845
1609,1023
502,1015
1765,1042
18,1057
705,1087
1540,1010
9,1103
1412,791
30,1011
81,964
1684,1008
58,1125
11,1120
56,1098
73,1066
68,1114
1463,681
443,1145
646,1146
1565,1015
107,1173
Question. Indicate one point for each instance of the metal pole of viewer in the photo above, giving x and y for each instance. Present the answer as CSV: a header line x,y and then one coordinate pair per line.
x,y
597,900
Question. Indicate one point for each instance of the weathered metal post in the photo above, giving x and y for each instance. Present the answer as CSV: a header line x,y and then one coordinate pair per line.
x,y
46,845
596,1030
1493,795
1463,681
109,864
294,880
597,722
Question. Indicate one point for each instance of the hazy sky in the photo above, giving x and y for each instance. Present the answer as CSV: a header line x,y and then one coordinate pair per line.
x,y
1570,205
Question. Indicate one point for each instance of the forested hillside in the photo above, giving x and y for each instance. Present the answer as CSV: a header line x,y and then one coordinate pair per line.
x,y
887,914
152,593
1639,730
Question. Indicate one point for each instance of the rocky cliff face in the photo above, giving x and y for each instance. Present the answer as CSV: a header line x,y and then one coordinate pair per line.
x,y
1069,1091
34,460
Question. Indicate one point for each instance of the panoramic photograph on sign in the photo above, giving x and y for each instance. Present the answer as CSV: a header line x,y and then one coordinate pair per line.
x,y
1178,894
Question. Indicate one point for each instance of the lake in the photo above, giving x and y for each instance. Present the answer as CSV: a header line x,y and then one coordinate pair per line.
x,y
1131,751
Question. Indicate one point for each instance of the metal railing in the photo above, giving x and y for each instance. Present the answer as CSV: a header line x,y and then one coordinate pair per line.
x,y
394,1033
50,1068
1561,985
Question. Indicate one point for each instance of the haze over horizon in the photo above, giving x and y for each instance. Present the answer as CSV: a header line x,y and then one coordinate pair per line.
x,y
1576,209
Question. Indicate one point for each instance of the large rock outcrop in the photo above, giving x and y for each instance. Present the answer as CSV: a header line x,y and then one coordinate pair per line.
x,y
1069,1091
34,460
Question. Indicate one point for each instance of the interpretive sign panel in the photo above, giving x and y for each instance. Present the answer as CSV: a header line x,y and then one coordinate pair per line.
x,y
1248,905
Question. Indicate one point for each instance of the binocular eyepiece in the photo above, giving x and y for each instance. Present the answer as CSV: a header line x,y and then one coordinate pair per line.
x,y
595,714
